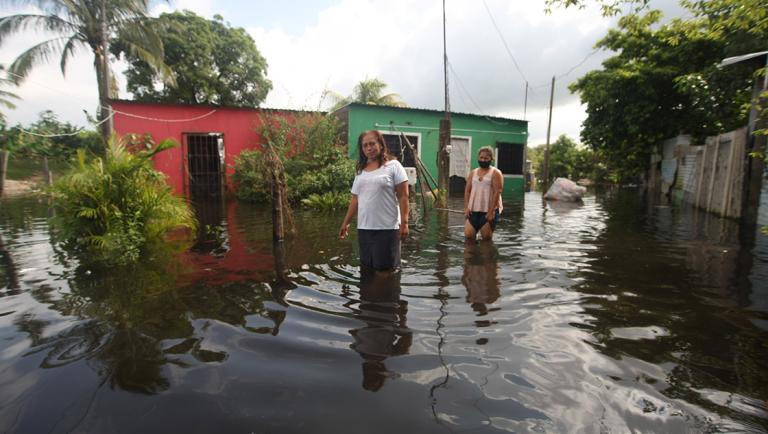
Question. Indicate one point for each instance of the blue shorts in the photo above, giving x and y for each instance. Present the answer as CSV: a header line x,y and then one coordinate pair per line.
x,y
478,219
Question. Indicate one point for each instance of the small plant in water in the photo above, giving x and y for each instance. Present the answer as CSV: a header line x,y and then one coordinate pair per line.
x,y
112,208
327,201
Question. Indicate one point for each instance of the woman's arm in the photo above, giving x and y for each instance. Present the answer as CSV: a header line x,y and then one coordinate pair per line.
x,y
351,212
467,193
401,190
497,183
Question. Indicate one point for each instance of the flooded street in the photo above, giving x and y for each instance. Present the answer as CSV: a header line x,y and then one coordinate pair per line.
x,y
611,316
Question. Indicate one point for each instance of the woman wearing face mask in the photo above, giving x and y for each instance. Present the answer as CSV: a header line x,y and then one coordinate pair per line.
x,y
380,203
482,197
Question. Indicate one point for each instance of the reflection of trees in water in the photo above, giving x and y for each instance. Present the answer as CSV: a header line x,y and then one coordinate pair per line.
x,y
130,315
385,333
9,276
667,288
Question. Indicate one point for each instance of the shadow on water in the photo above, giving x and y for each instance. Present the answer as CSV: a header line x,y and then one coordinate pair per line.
x,y
607,316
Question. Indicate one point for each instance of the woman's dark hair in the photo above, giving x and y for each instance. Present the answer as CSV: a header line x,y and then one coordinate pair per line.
x,y
362,160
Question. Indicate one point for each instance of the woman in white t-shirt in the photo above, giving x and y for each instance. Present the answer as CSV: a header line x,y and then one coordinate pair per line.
x,y
380,202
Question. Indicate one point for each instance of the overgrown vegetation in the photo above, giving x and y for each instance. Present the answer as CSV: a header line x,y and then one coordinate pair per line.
x,y
312,152
67,141
110,209
664,79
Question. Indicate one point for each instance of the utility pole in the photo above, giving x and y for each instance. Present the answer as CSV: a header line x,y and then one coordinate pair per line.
x,y
525,104
549,129
445,134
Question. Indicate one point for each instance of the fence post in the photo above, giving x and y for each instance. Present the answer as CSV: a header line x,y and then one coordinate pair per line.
x,y
714,170
701,175
725,209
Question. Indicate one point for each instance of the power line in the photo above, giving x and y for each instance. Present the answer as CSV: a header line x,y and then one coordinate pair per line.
x,y
504,41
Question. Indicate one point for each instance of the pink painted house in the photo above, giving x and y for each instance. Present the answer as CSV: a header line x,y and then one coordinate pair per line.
x,y
210,137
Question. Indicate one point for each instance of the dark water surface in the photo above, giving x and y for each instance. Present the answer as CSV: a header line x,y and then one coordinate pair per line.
x,y
613,316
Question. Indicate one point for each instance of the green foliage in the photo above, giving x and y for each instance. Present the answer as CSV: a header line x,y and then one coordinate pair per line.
x,y
569,160
312,153
213,64
5,96
608,7
69,140
112,208
331,200
662,81
368,91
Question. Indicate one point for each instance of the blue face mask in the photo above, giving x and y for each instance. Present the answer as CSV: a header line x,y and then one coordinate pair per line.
x,y
484,164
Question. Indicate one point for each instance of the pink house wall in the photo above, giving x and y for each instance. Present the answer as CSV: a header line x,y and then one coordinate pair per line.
x,y
162,121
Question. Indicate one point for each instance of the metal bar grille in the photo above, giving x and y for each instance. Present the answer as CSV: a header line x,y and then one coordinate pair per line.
x,y
204,163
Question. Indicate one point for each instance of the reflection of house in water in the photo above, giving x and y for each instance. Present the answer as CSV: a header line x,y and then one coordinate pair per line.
x,y
221,253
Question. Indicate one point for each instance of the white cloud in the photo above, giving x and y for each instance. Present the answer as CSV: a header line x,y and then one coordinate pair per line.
x,y
398,41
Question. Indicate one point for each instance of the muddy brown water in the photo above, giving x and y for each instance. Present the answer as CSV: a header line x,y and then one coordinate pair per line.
x,y
610,316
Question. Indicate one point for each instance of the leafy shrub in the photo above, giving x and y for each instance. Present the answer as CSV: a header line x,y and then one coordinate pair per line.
x,y
312,153
111,208
331,200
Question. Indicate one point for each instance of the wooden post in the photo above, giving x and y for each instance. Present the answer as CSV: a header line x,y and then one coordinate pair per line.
x,y
549,129
725,209
278,228
699,181
714,170
47,172
3,169
443,161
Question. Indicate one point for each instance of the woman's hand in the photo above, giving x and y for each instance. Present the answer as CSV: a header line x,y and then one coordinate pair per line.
x,y
404,231
344,231
490,215
467,212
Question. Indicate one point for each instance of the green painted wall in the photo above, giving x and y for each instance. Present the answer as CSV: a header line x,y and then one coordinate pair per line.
x,y
483,131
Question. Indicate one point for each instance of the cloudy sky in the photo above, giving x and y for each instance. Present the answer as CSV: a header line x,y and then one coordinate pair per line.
x,y
494,47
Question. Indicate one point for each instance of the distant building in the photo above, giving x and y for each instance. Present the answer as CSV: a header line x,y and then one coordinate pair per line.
x,y
211,137
469,132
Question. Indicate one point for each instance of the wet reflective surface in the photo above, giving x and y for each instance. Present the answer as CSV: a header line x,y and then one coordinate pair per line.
x,y
610,316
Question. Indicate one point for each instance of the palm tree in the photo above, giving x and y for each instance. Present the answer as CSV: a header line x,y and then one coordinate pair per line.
x,y
5,96
87,24
368,91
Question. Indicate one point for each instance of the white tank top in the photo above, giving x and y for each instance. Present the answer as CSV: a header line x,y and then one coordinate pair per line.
x,y
480,197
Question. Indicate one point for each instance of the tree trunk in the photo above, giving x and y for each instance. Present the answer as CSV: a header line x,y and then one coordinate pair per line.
x,y
101,62
278,228
3,169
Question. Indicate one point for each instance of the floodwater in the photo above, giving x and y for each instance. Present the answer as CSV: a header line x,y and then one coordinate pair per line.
x,y
612,316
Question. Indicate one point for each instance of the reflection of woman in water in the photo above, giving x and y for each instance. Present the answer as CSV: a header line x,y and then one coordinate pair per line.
x,y
480,276
385,333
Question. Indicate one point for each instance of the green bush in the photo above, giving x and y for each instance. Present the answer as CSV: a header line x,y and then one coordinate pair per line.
x,y
312,154
331,200
111,208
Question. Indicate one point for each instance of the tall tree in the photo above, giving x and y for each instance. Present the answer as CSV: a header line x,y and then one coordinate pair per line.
x,y
368,91
87,24
213,62
663,81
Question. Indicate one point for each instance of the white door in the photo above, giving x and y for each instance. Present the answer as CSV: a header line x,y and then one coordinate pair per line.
x,y
459,157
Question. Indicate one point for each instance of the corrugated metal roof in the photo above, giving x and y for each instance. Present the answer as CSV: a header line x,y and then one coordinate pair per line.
x,y
498,118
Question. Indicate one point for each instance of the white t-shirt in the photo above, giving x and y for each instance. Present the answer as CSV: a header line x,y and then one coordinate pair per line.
x,y
377,206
